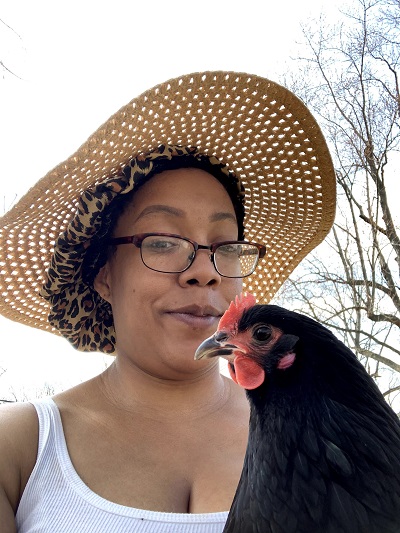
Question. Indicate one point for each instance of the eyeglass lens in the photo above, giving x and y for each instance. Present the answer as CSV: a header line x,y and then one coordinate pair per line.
x,y
172,254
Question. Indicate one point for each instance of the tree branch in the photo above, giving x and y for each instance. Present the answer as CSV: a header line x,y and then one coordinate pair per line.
x,y
377,357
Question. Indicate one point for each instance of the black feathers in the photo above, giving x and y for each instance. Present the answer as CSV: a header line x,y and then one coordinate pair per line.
x,y
324,447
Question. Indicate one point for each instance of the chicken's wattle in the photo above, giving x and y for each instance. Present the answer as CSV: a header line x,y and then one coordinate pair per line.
x,y
246,372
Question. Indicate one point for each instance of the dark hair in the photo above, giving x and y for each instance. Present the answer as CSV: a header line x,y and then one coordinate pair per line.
x,y
99,250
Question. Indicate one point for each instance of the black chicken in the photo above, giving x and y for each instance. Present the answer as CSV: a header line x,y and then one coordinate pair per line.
x,y
323,454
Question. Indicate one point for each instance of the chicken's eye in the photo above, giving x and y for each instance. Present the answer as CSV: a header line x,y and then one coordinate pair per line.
x,y
262,333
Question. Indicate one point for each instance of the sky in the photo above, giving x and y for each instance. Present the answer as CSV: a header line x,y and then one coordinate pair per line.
x,y
78,62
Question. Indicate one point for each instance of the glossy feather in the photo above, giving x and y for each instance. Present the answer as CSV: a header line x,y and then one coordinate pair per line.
x,y
324,447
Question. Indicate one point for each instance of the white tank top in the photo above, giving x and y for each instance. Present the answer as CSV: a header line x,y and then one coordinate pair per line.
x,y
56,500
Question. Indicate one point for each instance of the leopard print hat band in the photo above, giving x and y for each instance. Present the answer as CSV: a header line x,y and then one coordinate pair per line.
x,y
77,310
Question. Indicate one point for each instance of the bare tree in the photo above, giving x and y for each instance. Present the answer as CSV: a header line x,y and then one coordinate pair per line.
x,y
3,395
23,395
4,66
349,77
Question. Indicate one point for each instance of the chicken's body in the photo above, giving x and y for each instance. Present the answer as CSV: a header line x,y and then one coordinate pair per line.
x,y
324,447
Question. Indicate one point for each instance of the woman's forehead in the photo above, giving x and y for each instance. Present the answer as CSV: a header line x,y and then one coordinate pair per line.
x,y
180,195
182,189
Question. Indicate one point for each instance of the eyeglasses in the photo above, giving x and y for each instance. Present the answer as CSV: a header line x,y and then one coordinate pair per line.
x,y
173,254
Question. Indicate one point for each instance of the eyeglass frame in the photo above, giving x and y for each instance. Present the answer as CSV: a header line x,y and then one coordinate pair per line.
x,y
138,238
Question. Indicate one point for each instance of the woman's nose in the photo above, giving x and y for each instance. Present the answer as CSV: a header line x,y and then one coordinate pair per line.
x,y
201,272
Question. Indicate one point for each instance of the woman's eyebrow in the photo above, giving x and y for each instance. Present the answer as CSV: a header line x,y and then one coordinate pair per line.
x,y
218,217
160,208
174,211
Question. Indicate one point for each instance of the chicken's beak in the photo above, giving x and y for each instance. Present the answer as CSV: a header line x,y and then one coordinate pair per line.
x,y
214,346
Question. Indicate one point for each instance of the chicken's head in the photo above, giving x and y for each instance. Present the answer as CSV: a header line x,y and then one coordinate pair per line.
x,y
252,346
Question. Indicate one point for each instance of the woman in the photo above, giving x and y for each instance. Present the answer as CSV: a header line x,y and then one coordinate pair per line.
x,y
156,442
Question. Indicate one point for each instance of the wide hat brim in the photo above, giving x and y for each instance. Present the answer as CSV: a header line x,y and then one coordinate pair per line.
x,y
262,131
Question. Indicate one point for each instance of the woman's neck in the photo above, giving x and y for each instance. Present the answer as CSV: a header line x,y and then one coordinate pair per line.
x,y
129,388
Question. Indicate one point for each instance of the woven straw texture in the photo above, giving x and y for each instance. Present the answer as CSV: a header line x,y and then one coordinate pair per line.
x,y
262,132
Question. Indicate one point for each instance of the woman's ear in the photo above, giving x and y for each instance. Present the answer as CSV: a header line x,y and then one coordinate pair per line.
x,y
102,283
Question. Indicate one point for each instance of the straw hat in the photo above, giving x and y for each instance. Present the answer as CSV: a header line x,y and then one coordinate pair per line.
x,y
259,129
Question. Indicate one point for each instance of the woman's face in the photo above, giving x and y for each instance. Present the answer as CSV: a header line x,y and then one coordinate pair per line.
x,y
160,318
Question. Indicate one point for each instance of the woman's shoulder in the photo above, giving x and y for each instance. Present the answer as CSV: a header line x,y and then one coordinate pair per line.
x,y
19,433
80,396
14,413
18,427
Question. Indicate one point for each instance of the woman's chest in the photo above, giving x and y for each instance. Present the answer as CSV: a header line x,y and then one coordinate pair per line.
x,y
160,466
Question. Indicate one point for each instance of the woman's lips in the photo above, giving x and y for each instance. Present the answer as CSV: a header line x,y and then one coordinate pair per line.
x,y
196,321
197,316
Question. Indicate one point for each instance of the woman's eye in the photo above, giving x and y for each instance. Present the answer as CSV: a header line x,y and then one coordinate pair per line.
x,y
229,250
160,245
262,333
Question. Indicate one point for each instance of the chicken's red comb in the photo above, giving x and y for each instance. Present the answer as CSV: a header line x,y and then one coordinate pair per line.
x,y
236,309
